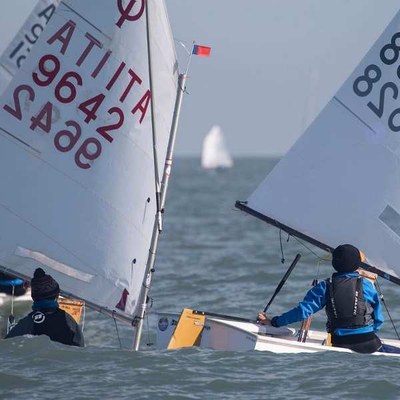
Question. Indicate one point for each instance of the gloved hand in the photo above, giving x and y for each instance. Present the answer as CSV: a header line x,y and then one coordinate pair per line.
x,y
263,319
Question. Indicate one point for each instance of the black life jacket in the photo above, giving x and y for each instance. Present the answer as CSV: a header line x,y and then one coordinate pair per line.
x,y
345,304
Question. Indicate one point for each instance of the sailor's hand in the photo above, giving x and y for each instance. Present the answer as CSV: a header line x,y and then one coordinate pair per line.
x,y
263,319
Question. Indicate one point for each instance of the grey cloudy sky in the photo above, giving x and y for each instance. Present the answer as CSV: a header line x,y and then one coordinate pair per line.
x,y
274,63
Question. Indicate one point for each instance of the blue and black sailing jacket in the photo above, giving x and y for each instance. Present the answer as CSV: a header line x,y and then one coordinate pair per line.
x,y
316,299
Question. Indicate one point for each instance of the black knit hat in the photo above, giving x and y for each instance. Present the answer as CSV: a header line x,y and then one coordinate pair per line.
x,y
346,258
43,286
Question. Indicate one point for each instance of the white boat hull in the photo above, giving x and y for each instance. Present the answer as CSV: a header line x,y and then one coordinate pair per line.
x,y
229,335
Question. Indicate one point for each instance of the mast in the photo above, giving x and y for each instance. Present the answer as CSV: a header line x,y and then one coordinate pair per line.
x,y
242,205
161,188
157,225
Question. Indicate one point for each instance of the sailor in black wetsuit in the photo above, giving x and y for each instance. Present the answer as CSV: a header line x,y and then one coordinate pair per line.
x,y
47,318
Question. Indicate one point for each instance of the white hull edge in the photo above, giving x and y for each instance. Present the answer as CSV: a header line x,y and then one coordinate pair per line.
x,y
230,335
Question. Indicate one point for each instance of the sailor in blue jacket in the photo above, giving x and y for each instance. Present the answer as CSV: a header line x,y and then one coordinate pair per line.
x,y
351,303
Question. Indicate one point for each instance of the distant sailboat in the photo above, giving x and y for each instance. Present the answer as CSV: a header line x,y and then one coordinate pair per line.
x,y
215,153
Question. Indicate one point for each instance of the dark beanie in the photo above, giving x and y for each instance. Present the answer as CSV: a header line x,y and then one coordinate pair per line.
x,y
43,286
346,258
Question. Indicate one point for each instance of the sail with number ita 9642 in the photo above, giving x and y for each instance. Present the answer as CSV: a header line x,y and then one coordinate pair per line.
x,y
76,150
340,182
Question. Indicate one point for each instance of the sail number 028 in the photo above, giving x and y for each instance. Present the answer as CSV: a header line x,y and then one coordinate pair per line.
x,y
364,84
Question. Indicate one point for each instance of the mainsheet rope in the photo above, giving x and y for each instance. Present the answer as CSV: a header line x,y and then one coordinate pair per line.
x,y
116,328
11,318
386,307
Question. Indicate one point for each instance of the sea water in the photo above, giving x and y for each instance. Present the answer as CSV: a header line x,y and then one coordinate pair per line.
x,y
211,257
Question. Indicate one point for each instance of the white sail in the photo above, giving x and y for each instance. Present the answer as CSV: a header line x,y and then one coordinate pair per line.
x,y
340,182
17,51
76,149
215,154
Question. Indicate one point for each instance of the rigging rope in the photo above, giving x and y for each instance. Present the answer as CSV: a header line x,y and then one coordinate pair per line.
x,y
320,259
83,317
12,300
147,323
116,328
308,248
11,318
386,307
280,243
148,332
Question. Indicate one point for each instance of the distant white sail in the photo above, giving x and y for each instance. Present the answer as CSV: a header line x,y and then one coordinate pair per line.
x,y
76,151
17,51
340,182
215,153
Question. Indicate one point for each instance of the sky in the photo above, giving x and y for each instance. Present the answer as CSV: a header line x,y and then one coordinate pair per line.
x,y
274,64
